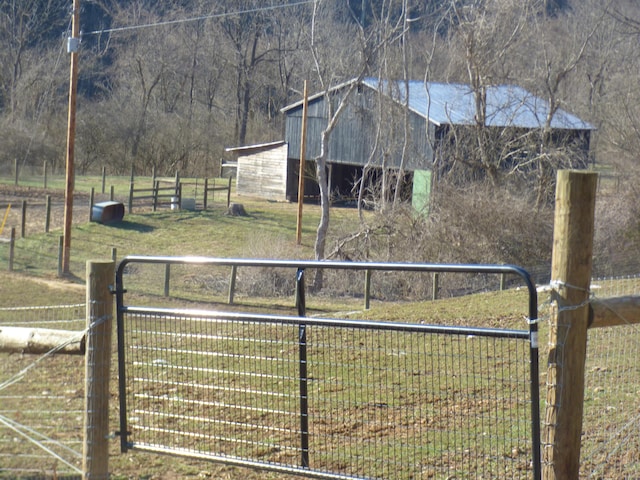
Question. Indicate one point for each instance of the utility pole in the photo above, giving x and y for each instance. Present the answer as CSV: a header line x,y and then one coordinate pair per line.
x,y
303,148
73,45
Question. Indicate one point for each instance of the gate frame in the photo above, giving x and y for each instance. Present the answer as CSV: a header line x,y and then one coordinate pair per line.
x,y
300,267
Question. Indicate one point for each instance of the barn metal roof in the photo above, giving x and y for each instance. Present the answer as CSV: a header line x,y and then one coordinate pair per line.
x,y
454,104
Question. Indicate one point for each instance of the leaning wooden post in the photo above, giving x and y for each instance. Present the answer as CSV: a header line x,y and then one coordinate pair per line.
x,y
571,277
95,457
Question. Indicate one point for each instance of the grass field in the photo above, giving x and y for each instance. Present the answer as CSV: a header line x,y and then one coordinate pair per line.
x,y
268,232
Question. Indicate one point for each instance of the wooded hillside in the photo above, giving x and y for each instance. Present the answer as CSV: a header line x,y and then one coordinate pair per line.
x,y
170,84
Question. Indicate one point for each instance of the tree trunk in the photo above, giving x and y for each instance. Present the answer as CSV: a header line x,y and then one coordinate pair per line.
x,y
323,226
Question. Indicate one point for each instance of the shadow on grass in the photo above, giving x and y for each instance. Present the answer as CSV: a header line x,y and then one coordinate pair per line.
x,y
131,226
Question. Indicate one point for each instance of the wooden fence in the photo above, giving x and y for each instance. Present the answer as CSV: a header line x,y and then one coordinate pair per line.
x,y
157,196
173,195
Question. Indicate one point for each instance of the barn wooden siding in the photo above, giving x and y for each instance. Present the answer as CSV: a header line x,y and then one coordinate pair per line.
x,y
353,139
262,172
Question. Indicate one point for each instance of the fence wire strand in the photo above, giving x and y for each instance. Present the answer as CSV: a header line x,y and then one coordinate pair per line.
x,y
41,398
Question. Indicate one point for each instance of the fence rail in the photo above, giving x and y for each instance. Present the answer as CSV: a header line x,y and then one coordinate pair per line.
x,y
329,398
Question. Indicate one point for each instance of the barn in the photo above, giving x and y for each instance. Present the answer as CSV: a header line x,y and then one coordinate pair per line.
x,y
374,136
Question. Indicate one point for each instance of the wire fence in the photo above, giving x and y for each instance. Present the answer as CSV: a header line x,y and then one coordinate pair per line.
x,y
611,424
41,400
389,410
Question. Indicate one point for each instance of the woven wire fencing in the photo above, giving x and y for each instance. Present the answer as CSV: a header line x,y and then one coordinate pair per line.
x,y
334,397
611,425
41,400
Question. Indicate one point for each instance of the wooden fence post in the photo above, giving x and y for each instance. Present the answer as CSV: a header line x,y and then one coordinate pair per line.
x,y
95,455
47,215
206,188
60,251
232,283
156,187
229,193
436,286
570,280
367,289
12,247
92,197
130,198
23,222
104,177
167,279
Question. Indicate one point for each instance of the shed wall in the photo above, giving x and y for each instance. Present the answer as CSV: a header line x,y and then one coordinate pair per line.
x,y
263,173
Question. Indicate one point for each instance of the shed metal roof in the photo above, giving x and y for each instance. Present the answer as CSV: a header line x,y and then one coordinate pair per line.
x,y
454,104
259,146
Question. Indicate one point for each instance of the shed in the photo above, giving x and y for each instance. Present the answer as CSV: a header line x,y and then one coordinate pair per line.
x,y
262,170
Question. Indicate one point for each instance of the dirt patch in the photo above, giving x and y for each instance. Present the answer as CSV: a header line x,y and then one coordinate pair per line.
x,y
35,200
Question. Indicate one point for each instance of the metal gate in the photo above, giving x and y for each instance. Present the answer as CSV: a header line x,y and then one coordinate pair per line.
x,y
328,397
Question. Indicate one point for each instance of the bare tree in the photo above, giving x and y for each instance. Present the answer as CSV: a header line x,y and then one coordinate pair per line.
x,y
370,42
23,24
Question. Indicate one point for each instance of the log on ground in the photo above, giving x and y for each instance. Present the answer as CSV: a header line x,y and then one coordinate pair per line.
x,y
41,340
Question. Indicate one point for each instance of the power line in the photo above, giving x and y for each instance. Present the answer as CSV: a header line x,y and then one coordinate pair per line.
x,y
195,19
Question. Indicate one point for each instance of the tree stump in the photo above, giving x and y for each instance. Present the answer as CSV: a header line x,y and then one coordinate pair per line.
x,y
236,210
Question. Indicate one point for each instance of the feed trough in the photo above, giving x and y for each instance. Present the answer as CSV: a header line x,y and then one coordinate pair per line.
x,y
107,212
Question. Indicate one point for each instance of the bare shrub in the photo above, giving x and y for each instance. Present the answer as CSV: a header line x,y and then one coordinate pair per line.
x,y
268,281
617,228
476,224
